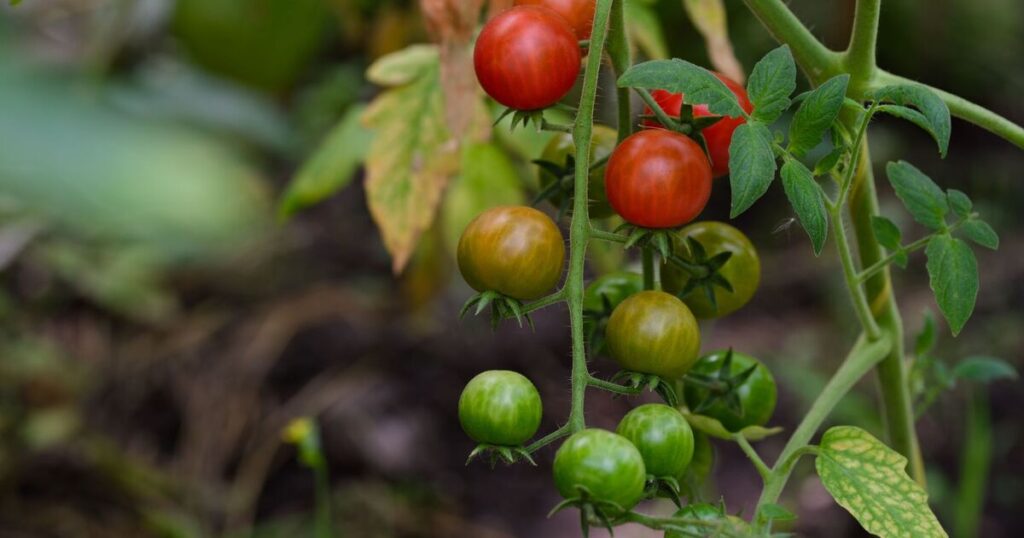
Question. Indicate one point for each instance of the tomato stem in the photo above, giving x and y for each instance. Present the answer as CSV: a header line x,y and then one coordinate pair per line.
x,y
619,51
663,118
759,464
647,260
859,58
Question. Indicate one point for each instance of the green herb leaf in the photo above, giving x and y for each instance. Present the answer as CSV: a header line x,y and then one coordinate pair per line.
x,y
925,341
981,233
869,480
816,114
933,116
921,196
984,369
679,76
771,83
959,202
331,167
808,200
953,272
889,236
751,165
829,162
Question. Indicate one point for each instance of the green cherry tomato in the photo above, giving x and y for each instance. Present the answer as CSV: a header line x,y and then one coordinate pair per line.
x,y
662,436
500,407
558,151
514,250
653,332
699,511
615,287
607,465
742,270
756,394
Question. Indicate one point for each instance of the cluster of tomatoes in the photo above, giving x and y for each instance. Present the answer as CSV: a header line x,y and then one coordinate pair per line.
x,y
528,58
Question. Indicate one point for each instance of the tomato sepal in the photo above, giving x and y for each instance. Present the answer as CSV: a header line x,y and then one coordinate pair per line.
x,y
521,117
666,487
502,307
660,239
651,382
590,510
705,271
507,454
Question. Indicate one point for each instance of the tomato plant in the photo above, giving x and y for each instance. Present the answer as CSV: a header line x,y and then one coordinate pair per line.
x,y
747,400
561,152
742,269
653,332
658,179
662,436
717,136
578,13
527,58
600,467
600,299
500,407
515,251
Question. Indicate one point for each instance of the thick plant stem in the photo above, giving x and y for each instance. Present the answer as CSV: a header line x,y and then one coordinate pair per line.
x,y
647,263
579,228
618,51
862,357
818,62
859,58
860,302
892,375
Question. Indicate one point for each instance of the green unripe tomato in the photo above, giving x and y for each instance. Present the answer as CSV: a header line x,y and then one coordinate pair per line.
x,y
653,332
607,465
615,286
558,150
514,250
757,394
662,436
500,407
742,270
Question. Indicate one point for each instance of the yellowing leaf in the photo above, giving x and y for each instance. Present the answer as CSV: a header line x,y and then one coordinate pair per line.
x,y
714,428
412,156
870,481
710,19
645,30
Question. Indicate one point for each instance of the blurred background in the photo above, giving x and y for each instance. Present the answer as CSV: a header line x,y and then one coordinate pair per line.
x,y
189,263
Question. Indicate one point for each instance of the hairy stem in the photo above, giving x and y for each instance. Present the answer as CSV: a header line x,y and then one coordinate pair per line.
x,y
619,52
754,457
859,58
853,284
818,62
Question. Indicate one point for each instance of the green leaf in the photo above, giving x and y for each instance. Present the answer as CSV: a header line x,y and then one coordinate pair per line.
x,y
886,232
953,274
932,114
331,167
777,512
921,196
869,480
771,83
816,114
752,165
645,30
984,369
808,200
714,428
828,163
679,76
925,340
981,233
959,202
404,66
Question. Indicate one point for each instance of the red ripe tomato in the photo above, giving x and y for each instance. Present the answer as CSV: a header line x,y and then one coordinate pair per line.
x,y
719,135
658,179
527,58
578,13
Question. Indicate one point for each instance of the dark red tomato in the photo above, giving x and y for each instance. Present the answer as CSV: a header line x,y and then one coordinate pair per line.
x,y
658,179
527,58
719,135
513,250
578,13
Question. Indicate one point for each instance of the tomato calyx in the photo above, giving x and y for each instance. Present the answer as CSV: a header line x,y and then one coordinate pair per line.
x,y
722,386
638,381
666,487
600,511
660,239
705,271
561,191
508,454
596,320
502,307
686,123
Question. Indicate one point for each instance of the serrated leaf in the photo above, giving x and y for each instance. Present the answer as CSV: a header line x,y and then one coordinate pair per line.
x,y
816,114
679,76
981,233
959,202
808,201
953,275
869,480
714,428
920,195
331,167
771,83
932,114
984,369
886,232
411,158
829,162
645,30
752,165
925,340
777,512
